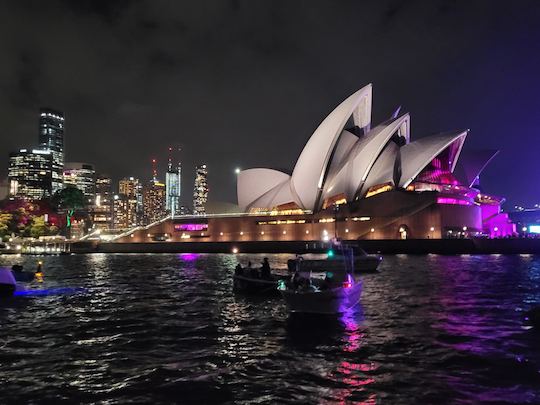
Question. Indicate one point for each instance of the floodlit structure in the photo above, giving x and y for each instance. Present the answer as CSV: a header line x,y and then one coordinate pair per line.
x,y
173,178
200,190
345,160
355,180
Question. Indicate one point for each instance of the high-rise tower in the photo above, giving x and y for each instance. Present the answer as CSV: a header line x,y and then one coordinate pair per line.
x,y
172,184
29,174
51,137
102,212
200,191
131,189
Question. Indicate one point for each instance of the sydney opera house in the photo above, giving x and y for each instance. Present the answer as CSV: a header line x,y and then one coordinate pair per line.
x,y
354,181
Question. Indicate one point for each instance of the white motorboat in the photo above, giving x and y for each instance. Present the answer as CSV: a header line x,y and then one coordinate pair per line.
x,y
330,290
316,301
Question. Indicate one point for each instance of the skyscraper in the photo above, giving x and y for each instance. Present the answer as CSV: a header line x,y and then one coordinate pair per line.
x,y
200,191
102,211
30,174
124,211
132,188
172,185
154,201
128,205
51,137
82,176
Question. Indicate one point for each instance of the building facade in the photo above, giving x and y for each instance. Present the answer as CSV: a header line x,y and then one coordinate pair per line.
x,y
83,177
173,186
200,190
102,210
51,137
30,174
132,188
124,211
154,201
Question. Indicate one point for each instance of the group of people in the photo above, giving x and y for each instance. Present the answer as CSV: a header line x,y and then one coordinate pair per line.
x,y
21,275
253,272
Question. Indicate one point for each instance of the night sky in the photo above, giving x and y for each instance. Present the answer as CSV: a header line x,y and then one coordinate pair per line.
x,y
245,83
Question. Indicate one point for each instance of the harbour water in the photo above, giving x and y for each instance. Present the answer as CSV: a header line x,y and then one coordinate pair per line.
x,y
167,328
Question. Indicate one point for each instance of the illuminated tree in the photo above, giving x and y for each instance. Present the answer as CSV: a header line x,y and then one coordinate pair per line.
x,y
5,223
38,227
69,200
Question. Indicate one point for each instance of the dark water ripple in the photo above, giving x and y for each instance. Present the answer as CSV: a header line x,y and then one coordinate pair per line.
x,y
167,329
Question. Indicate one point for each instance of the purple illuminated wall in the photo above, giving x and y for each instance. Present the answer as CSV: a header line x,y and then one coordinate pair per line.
x,y
190,227
452,201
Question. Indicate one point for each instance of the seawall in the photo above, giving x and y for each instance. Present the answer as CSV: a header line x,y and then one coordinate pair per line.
x,y
410,246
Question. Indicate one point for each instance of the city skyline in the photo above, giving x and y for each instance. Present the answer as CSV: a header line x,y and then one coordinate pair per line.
x,y
273,72
38,172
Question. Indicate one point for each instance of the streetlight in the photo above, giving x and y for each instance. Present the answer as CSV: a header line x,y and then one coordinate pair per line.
x,y
237,170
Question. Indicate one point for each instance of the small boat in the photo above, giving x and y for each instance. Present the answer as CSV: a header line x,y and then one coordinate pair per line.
x,y
8,284
313,300
252,285
338,258
331,290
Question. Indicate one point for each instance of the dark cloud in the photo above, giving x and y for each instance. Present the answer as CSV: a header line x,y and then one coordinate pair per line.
x,y
244,83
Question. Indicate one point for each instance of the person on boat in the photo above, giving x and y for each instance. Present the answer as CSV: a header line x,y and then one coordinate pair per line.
x,y
265,269
328,281
238,270
253,272
291,265
20,274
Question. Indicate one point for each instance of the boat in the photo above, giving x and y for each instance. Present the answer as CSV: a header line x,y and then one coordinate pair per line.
x,y
8,284
330,290
337,258
313,300
256,281
253,285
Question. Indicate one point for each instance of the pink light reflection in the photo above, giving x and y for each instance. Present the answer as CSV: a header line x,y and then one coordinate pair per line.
x,y
188,257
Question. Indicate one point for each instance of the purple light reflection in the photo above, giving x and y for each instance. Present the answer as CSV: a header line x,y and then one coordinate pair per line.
x,y
354,375
188,257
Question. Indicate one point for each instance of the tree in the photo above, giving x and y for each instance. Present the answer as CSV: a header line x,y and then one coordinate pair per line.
x,y
5,223
69,199
38,227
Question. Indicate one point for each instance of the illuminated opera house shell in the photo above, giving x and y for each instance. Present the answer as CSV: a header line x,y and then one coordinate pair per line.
x,y
346,159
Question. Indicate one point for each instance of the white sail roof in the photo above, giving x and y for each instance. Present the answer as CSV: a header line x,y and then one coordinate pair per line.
x,y
364,154
338,160
311,168
254,183
416,155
